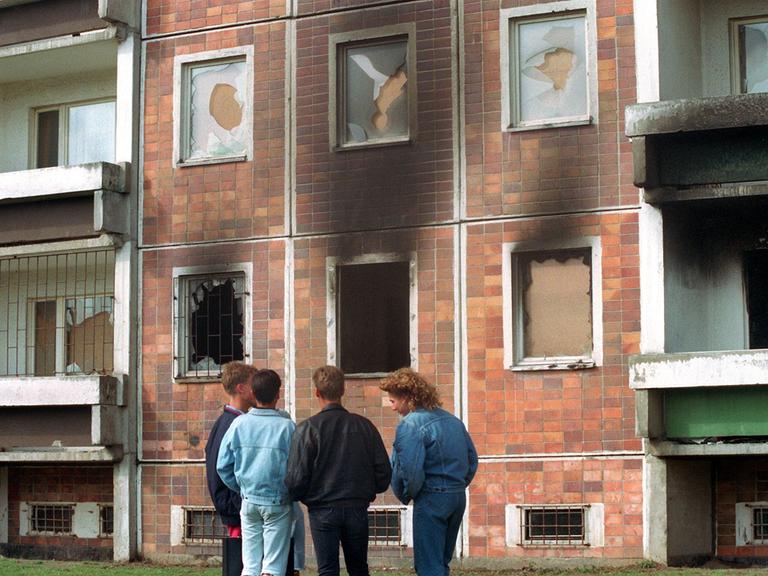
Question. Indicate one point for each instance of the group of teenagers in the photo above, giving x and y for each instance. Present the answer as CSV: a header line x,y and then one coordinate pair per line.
x,y
260,464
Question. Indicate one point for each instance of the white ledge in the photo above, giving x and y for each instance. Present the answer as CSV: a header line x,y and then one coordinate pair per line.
x,y
78,390
694,370
87,37
43,183
670,448
74,455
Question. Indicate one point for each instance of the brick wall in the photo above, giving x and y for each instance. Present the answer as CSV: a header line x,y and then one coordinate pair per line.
x,y
738,480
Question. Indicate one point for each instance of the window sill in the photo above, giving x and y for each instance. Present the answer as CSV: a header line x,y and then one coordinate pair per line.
x,y
554,364
566,123
372,144
208,161
213,379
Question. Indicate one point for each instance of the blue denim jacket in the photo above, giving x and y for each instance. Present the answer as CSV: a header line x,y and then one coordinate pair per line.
x,y
254,454
432,453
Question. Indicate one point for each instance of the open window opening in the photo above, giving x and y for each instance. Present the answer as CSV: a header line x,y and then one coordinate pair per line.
x,y
756,279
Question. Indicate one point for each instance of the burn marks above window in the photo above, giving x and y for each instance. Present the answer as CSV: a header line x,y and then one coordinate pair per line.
x,y
212,106
372,87
211,316
549,65
372,314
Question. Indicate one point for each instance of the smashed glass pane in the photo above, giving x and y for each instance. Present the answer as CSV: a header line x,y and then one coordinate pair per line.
x,y
552,69
375,93
217,104
90,335
753,40
91,133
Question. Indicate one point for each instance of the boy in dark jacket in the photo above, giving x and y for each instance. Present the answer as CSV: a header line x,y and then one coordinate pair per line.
x,y
336,466
236,379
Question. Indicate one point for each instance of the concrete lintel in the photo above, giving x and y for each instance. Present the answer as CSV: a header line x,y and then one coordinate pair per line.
x,y
47,183
109,33
79,455
692,370
708,192
105,241
671,449
58,391
105,425
697,114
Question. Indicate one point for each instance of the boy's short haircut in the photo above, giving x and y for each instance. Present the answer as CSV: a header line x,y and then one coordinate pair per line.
x,y
234,373
265,386
329,382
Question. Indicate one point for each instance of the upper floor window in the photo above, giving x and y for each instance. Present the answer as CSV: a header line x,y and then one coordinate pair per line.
x,y
552,313
750,41
549,65
212,106
69,134
373,86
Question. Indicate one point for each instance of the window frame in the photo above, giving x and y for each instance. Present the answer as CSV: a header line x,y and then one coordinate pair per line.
x,y
103,507
337,43
510,101
512,306
737,81
594,526
184,274
332,263
63,132
745,527
191,541
182,66
406,523
31,506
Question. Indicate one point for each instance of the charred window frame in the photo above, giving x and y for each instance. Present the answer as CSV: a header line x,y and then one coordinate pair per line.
x,y
550,305
212,319
537,91
381,61
73,133
375,290
749,58
225,112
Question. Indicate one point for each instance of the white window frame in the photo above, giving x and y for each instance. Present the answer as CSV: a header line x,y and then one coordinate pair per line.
x,y
181,274
85,520
406,525
510,116
737,82
181,78
331,282
63,143
336,101
594,526
179,526
745,523
512,304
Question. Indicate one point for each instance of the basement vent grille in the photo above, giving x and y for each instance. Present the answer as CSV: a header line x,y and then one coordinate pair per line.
x,y
202,526
385,527
553,525
51,518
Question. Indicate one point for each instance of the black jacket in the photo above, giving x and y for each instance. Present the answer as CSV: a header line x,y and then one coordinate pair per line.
x,y
337,459
226,502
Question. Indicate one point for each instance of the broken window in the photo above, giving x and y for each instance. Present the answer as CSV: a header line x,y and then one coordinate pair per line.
x,y
211,323
373,317
56,314
752,54
215,109
72,134
552,303
756,278
548,68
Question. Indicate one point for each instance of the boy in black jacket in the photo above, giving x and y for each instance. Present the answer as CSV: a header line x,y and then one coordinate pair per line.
x,y
236,379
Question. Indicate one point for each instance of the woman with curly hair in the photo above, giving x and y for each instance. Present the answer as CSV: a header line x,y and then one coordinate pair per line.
x,y
433,462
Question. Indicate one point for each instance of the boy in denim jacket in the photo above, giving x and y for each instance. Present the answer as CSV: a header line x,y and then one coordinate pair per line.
x,y
252,461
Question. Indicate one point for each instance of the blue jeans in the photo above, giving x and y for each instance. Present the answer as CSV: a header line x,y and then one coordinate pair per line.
x,y
298,538
348,526
266,538
436,521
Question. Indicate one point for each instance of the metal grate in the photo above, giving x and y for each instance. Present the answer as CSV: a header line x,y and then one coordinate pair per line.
x,y
210,323
202,526
106,519
51,518
385,527
56,314
554,525
760,523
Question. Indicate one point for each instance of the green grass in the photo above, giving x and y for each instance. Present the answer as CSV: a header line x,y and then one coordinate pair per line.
x,y
13,567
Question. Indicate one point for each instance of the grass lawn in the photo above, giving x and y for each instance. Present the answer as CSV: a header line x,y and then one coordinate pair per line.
x,y
13,567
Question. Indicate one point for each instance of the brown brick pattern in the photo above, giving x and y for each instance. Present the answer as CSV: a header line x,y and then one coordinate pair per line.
x,y
169,16
737,480
220,201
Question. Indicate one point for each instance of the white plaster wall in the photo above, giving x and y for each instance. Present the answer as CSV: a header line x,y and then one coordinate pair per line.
x,y
19,98
679,49
715,40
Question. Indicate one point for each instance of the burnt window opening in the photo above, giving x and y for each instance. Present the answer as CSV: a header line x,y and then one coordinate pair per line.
x,y
373,317
756,280
202,526
213,312
51,518
106,520
553,304
385,526
554,525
